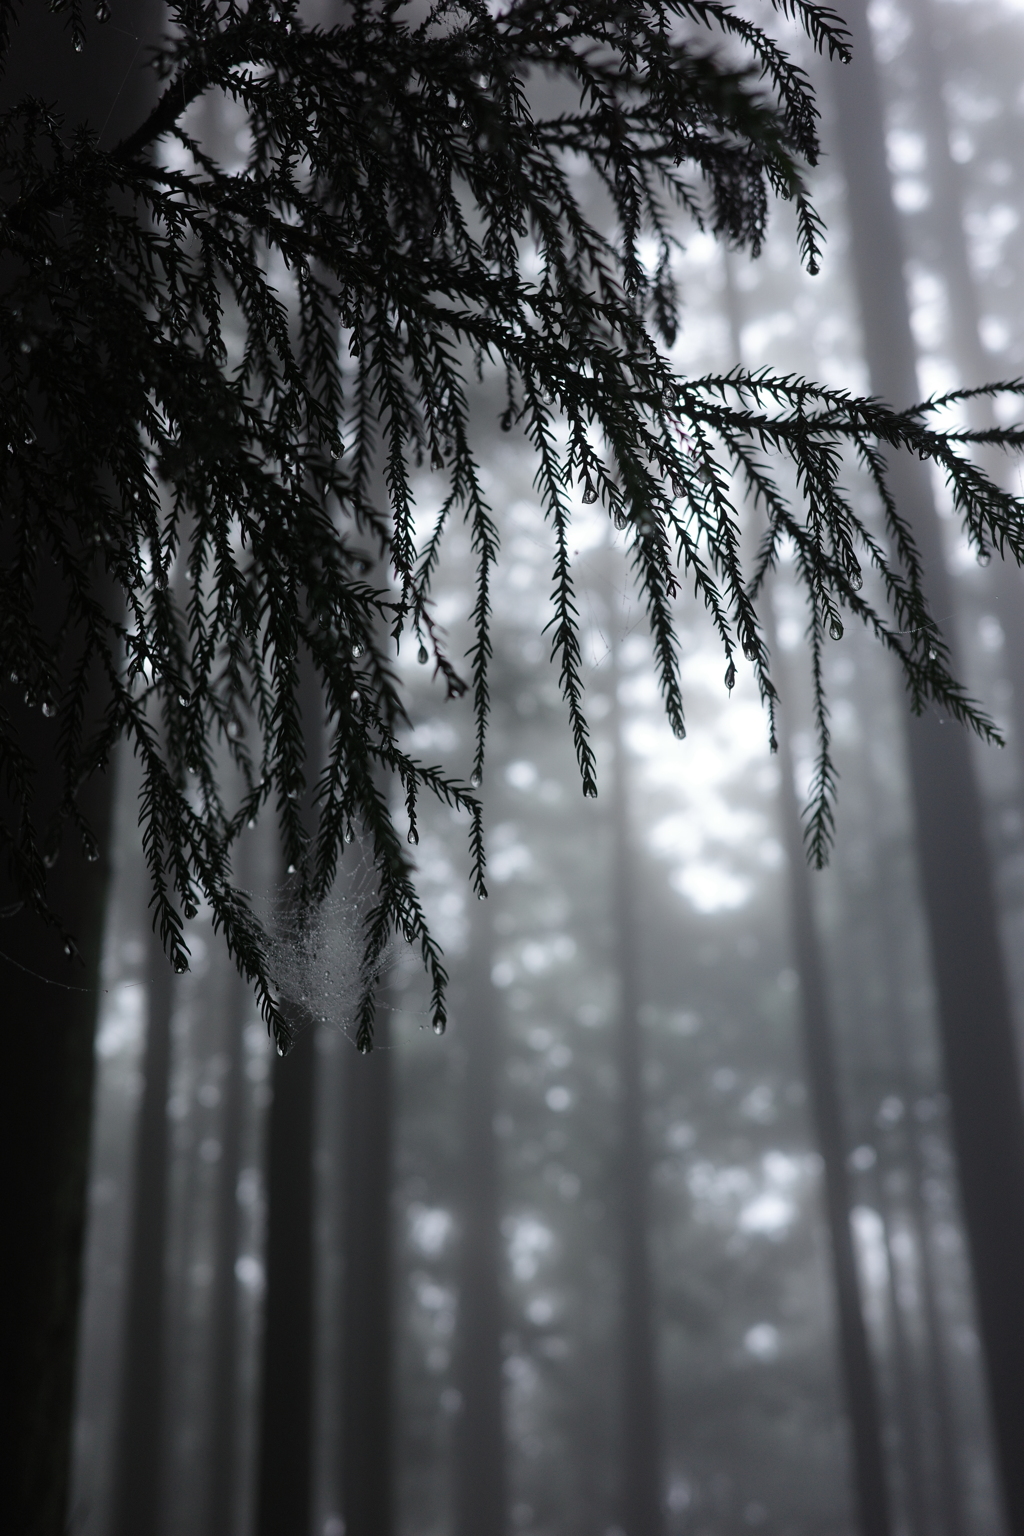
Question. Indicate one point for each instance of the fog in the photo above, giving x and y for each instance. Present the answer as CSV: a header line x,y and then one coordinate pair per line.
x,y
576,1267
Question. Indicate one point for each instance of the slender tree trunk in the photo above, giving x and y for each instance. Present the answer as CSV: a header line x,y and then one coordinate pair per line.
x,y
975,1018
858,1373
286,1411
856,1366
137,1492
640,1430
223,1438
284,1499
480,1437
50,1000
903,1370
367,1434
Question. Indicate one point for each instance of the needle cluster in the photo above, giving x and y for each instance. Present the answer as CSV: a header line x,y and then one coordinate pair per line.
x,y
220,381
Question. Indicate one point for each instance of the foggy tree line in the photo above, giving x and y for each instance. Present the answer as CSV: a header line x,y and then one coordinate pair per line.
x,y
573,1122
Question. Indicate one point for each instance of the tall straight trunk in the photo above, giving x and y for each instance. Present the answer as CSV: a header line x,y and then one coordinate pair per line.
x,y
640,1428
947,1503
222,1449
367,1433
137,1491
975,1018
50,999
284,1495
858,1374
284,1489
903,1371
860,1388
480,1475
973,364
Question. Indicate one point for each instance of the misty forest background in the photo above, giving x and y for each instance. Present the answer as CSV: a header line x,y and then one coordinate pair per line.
x,y
567,1271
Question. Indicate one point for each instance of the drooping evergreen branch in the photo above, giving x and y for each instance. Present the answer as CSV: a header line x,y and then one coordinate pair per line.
x,y
220,384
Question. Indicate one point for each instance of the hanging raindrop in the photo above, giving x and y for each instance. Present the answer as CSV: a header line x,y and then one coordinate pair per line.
x,y
282,1049
835,628
102,11
364,1047
180,965
357,649
50,859
291,869
422,656
679,730
251,823
932,653
69,949
439,1026
589,492
412,836
621,521
984,557
92,854
730,675
750,650
337,449
590,791
49,708
856,580
78,42
476,778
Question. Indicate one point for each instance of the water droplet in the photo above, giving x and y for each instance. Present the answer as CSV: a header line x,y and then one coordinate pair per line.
x,y
357,649
92,854
932,653
251,823
30,437
364,1047
412,836
337,449
49,708
984,557
438,1026
282,1049
183,700
476,778
589,492
679,730
730,675
750,648
856,580
356,700
180,964
291,869
621,521
193,769
78,42
102,11
835,628
50,859
69,949
422,656
15,679
590,791
190,909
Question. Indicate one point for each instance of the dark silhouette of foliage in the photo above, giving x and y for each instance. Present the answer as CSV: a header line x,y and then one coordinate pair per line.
x,y
218,385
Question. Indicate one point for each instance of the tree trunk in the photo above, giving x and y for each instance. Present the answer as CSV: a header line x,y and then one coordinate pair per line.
x,y
137,1492
480,1497
50,1000
640,1429
858,1374
366,1325
223,1439
975,1019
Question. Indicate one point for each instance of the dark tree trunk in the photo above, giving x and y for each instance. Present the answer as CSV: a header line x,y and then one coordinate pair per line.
x,y
480,1439
286,1410
640,1428
223,1438
858,1374
50,1000
137,1492
975,1019
284,1501
366,1483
